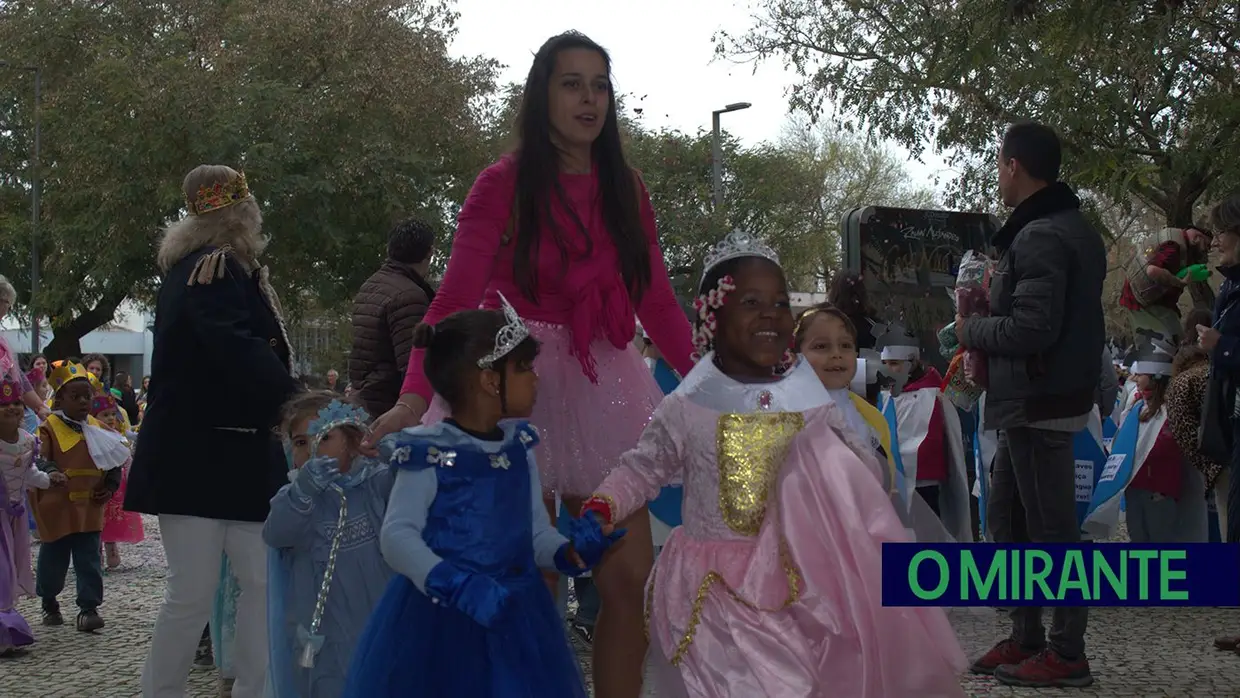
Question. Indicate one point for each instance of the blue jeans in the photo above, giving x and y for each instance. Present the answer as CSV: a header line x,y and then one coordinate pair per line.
x,y
53,567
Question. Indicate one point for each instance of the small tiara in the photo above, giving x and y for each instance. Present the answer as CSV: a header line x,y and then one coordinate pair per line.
x,y
737,244
509,336
220,195
336,414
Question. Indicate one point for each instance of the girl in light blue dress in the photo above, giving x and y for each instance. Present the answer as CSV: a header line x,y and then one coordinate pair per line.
x,y
326,571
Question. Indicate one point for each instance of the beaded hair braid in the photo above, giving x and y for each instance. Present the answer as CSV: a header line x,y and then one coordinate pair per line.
x,y
707,325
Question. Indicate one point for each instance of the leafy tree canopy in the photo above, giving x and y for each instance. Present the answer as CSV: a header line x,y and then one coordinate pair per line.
x,y
791,193
346,115
1141,91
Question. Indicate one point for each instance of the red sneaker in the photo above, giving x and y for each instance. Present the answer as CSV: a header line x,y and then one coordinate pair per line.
x,y
1046,669
1006,652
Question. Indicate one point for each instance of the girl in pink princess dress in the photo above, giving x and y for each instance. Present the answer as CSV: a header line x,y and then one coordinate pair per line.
x,y
771,587
119,526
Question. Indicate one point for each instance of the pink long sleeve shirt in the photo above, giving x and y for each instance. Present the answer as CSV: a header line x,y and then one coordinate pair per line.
x,y
587,295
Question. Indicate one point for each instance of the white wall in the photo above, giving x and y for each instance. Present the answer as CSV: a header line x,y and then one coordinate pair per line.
x,y
126,349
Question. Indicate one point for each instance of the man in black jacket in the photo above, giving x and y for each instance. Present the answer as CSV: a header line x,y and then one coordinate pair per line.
x,y
1042,341
207,460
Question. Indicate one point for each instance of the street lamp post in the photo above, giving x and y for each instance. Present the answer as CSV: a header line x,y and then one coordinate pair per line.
x,y
35,192
717,144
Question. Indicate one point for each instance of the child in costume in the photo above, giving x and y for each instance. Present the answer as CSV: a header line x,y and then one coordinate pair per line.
x,y
827,339
18,473
929,431
42,388
328,573
119,526
769,588
1165,495
469,613
70,518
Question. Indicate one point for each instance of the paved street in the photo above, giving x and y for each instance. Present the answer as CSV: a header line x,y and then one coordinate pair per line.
x,y
1135,652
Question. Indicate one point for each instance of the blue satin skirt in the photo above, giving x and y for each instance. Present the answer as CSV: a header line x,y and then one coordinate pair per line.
x,y
413,648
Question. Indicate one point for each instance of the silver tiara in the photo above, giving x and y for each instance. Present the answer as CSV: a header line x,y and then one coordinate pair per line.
x,y
737,244
509,336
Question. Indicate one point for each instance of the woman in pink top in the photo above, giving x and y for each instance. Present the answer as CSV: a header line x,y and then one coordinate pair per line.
x,y
564,228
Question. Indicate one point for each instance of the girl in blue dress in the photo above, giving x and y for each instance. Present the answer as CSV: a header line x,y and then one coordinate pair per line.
x,y
327,571
468,614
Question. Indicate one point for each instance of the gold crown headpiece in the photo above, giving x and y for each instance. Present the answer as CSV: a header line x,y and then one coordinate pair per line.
x,y
219,195
63,372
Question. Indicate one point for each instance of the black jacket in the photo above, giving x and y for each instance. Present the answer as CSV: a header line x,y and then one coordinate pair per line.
x,y
387,308
1045,332
129,403
219,376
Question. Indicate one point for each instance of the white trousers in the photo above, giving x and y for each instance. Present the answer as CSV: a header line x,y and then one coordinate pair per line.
x,y
193,547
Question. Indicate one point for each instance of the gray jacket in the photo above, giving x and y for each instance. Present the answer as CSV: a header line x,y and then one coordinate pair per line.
x,y
1045,327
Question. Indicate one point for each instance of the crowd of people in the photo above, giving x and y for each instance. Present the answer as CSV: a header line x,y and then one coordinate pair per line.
x,y
718,487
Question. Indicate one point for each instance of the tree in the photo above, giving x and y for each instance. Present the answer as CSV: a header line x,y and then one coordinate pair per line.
x,y
1141,91
791,193
346,114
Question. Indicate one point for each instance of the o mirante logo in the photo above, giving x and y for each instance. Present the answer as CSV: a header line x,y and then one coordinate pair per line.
x,y
1106,574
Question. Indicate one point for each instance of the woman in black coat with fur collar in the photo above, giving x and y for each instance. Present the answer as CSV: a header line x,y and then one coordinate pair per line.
x,y
208,461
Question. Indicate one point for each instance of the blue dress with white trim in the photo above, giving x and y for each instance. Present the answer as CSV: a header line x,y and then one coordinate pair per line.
x,y
474,506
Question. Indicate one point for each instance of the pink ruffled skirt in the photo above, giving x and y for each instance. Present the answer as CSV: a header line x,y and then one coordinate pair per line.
x,y
584,427
120,526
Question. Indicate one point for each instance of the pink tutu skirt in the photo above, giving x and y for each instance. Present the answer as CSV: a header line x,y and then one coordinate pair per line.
x,y
583,427
120,526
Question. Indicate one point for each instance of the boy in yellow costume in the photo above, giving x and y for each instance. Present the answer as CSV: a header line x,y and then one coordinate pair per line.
x,y
85,458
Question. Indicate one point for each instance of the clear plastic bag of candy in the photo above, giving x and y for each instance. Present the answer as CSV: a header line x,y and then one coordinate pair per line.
x,y
972,296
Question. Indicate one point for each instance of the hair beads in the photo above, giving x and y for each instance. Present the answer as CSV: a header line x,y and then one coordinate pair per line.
x,y
708,324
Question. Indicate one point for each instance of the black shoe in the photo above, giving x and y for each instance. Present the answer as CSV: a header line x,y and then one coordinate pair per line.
x,y
89,621
53,618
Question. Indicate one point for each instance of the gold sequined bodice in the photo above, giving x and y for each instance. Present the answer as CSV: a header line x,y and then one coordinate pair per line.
x,y
750,450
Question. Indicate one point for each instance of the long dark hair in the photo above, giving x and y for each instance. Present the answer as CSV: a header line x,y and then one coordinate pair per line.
x,y
538,169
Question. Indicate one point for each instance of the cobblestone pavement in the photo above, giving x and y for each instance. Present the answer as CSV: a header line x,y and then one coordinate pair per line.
x,y
1134,652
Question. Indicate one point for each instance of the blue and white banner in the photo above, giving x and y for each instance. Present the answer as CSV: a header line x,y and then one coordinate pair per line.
x,y
985,443
889,414
666,507
1128,451
1109,429
1088,451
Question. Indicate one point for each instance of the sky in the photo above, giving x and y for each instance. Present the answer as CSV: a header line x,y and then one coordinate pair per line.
x,y
661,51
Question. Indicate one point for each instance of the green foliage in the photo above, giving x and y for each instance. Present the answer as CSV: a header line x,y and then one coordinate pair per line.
x,y
792,193
1141,91
346,115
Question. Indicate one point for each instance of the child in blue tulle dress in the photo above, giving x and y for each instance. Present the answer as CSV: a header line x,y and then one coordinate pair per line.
x,y
468,613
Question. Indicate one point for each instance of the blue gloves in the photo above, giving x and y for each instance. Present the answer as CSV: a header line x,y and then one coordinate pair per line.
x,y
317,474
476,595
585,537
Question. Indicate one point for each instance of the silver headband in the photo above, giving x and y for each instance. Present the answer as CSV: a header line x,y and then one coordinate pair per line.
x,y
509,336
